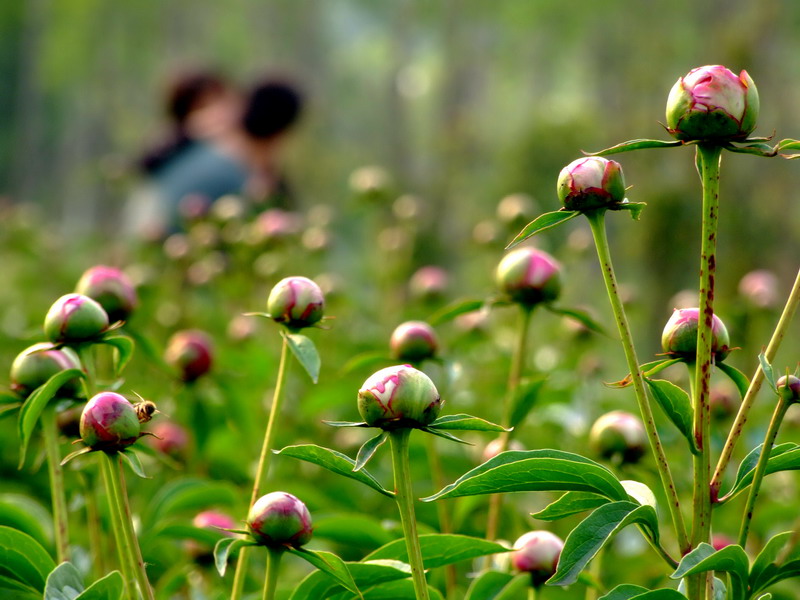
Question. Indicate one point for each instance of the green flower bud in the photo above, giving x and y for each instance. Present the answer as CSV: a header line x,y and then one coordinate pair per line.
x,y
296,302
399,396
109,422
278,520
591,183
712,104
680,335
413,341
789,387
618,434
35,365
537,553
529,276
74,318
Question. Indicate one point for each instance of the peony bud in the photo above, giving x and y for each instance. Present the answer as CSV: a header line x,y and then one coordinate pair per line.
x,y
789,387
278,520
170,439
35,365
590,183
111,288
399,396
723,403
680,335
109,422
429,283
537,553
712,103
760,288
618,433
214,521
413,341
529,276
296,302
191,353
74,318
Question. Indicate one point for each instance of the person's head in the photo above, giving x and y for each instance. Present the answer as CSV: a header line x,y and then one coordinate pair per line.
x,y
271,108
190,91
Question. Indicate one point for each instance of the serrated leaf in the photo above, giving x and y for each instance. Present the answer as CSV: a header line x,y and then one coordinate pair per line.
x,y
464,422
368,449
541,223
571,503
123,346
767,369
765,565
640,144
335,462
32,408
439,549
305,352
783,457
224,549
319,585
456,309
63,583
109,587
188,495
330,564
591,534
494,585
22,559
677,406
134,463
535,470
739,379
730,559
581,316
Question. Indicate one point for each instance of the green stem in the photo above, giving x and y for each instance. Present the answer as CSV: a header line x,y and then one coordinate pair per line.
x,y
533,593
56,473
94,525
442,508
755,385
518,362
405,503
125,564
271,580
597,223
761,468
263,465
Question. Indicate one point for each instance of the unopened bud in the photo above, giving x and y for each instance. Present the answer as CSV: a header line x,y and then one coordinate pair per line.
x,y
278,520
35,365
109,422
75,318
413,341
591,183
537,553
679,337
191,353
529,276
296,302
111,288
399,396
618,434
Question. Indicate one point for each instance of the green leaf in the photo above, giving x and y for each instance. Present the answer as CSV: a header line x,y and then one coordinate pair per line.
x,y
22,559
739,379
75,454
581,316
542,222
767,369
368,449
394,590
494,585
347,424
12,588
635,145
124,350
789,144
439,549
109,587
677,406
783,457
357,531
319,585
188,495
330,564
456,309
445,435
335,462
181,531
759,149
730,559
629,591
63,583
465,423
305,352
225,548
765,565
647,370
532,471
635,208
27,515
586,540
32,408
134,463
571,503
525,398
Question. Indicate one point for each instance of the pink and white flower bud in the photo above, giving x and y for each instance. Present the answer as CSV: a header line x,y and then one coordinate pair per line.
x,y
296,302
109,422
712,104
399,396
618,434
111,288
679,337
760,288
529,276
191,353
591,183
429,283
74,318
413,341
36,364
278,520
537,553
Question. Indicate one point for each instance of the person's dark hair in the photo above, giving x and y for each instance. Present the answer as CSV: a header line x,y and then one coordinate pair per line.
x,y
187,90
272,107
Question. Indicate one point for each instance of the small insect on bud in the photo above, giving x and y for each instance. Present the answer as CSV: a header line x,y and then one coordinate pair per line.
x,y
537,553
788,386
529,276
74,318
145,410
36,364
618,434
296,302
399,396
680,335
112,289
278,520
109,422
591,183
191,353
712,104
413,341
